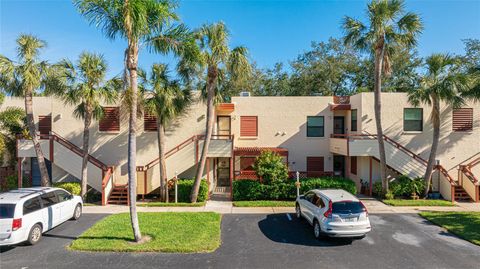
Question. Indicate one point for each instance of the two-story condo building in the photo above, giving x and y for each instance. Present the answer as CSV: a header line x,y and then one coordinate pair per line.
x,y
317,135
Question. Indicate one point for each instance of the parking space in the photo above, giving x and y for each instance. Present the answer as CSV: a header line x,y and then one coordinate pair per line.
x,y
269,241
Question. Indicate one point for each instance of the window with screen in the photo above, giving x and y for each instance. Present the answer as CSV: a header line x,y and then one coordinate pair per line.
x,y
315,126
353,121
413,119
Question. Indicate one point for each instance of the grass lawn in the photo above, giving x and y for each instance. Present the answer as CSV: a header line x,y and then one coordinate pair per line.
x,y
169,232
405,202
161,204
463,224
264,203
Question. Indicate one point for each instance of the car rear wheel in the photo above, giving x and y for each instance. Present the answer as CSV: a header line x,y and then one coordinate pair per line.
x,y
78,212
317,230
298,211
35,234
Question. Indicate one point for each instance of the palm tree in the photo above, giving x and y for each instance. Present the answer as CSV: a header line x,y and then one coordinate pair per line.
x,y
12,122
140,22
166,101
87,90
389,29
443,82
217,63
25,77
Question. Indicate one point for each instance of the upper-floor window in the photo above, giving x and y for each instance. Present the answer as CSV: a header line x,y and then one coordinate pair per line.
x,y
353,120
248,126
44,124
315,126
462,119
149,122
111,120
413,119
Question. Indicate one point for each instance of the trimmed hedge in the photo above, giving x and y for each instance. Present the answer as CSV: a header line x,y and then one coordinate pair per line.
x,y
185,188
72,187
248,190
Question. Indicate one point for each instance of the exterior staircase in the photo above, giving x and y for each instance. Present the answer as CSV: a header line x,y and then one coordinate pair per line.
x,y
119,195
469,181
461,195
399,159
68,156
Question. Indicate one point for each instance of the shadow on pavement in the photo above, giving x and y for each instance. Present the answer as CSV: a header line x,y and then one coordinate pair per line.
x,y
281,229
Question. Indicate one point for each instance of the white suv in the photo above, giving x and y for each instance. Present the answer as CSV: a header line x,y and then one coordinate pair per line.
x,y
27,213
334,213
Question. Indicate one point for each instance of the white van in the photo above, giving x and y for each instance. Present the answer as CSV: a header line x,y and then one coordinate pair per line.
x,y
25,214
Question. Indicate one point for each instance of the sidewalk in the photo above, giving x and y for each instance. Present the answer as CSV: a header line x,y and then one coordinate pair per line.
x,y
226,207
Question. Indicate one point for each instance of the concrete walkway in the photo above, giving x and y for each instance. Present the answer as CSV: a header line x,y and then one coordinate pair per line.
x,y
226,207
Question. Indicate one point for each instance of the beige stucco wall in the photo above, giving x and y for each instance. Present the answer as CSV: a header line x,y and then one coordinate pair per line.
x,y
454,148
282,123
111,148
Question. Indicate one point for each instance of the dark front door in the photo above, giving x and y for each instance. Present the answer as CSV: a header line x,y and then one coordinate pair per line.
x,y
339,125
339,165
36,176
223,172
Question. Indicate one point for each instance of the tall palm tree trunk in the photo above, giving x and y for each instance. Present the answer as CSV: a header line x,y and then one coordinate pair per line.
x,y
132,62
45,179
163,165
211,83
436,137
86,138
379,54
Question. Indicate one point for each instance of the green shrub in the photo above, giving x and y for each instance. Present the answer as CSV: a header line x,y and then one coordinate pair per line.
x,y
389,195
271,167
248,190
403,186
72,187
185,188
12,182
377,189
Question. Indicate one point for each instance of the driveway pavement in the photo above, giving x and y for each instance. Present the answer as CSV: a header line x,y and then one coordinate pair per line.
x,y
269,241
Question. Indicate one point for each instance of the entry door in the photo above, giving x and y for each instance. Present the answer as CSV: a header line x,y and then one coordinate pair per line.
x,y
223,126
339,125
339,165
223,172
36,176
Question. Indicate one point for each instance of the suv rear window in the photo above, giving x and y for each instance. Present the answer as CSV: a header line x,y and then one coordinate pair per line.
x,y
7,211
347,207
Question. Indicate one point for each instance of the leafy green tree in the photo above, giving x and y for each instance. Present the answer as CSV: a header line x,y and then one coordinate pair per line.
x,y
270,167
166,100
12,122
215,63
25,77
141,23
87,89
389,28
444,82
327,69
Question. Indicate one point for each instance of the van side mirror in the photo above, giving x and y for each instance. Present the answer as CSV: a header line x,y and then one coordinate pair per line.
x,y
302,197
70,197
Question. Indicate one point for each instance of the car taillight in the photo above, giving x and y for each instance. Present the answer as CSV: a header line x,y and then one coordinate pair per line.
x,y
16,224
328,213
364,207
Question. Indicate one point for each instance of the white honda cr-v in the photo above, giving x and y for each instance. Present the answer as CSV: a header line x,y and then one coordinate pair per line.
x,y
25,214
334,213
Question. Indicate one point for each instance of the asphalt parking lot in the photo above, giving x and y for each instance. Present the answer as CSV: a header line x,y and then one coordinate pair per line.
x,y
268,241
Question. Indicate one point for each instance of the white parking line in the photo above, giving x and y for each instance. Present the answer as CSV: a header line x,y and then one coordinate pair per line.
x,y
289,218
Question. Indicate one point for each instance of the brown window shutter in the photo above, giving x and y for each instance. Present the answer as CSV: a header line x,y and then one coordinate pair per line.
x,y
44,124
248,126
462,119
111,120
314,166
353,165
149,122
